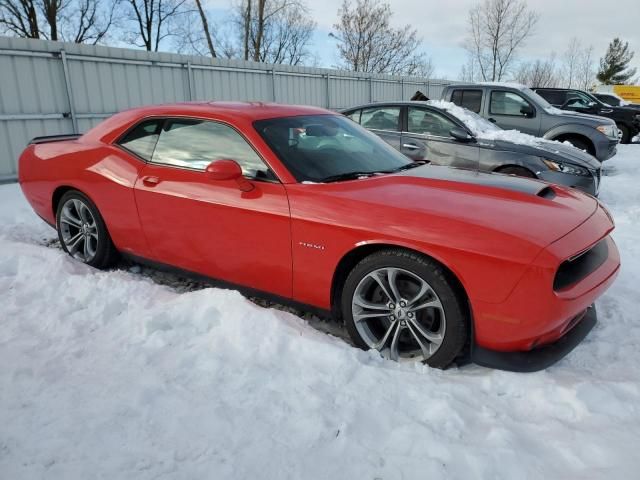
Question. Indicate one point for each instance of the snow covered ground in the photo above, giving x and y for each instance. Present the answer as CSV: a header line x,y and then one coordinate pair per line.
x,y
130,374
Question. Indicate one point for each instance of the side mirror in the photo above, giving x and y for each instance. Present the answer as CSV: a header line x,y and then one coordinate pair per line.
x,y
461,135
527,111
223,170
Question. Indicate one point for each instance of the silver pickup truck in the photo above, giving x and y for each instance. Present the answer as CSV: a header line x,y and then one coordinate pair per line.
x,y
516,107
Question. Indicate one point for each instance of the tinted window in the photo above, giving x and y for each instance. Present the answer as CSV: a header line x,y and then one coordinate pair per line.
x,y
381,118
609,100
197,143
507,103
314,147
429,122
469,99
355,116
554,97
142,139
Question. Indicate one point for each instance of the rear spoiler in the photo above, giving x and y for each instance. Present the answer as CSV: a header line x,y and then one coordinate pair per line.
x,y
54,138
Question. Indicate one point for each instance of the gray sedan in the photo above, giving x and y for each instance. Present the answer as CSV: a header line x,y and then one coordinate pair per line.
x,y
446,134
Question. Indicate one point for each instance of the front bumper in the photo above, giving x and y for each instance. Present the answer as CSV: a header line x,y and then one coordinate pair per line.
x,y
606,148
541,357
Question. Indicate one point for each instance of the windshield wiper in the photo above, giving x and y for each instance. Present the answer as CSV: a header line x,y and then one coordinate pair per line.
x,y
348,176
414,164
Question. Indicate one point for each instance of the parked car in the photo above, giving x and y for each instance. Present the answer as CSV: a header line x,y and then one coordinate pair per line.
x,y
513,106
627,119
302,205
445,134
615,101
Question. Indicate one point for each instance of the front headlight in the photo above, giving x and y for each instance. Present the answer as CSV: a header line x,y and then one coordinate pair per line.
x,y
610,131
569,168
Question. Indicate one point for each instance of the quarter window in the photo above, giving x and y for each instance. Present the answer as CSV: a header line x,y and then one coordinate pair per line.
x,y
429,122
381,118
196,143
507,103
142,139
355,116
469,99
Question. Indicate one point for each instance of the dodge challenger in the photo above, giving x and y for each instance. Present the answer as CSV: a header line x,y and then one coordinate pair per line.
x,y
302,205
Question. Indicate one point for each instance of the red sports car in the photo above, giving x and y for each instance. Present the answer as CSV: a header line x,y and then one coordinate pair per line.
x,y
304,206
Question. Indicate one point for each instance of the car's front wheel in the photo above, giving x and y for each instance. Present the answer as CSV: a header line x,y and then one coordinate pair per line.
x,y
406,306
82,231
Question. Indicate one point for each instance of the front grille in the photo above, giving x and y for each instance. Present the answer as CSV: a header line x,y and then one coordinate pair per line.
x,y
579,266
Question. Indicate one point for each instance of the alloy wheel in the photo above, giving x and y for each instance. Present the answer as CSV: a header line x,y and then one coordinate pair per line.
x,y
79,230
396,311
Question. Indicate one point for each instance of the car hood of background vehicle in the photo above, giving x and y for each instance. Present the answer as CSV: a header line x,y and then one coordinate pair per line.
x,y
581,117
555,151
443,204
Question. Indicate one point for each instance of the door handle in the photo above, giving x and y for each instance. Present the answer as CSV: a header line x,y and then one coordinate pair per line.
x,y
410,146
150,180
492,120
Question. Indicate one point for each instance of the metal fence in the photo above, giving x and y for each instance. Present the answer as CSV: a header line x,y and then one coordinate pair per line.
x,y
51,88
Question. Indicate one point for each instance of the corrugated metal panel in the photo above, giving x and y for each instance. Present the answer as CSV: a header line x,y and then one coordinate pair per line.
x,y
105,80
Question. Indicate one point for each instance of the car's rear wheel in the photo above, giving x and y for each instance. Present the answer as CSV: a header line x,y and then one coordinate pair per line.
x,y
406,306
82,231
518,171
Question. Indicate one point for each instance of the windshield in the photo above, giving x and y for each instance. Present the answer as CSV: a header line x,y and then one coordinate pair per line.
x,y
318,147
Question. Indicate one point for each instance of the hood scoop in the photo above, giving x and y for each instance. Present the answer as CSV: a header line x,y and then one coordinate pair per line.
x,y
474,177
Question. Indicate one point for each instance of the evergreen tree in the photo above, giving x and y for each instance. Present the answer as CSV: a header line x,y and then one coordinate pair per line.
x,y
614,67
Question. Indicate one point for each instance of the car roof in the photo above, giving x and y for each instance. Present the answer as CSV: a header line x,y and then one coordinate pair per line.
x,y
248,110
420,103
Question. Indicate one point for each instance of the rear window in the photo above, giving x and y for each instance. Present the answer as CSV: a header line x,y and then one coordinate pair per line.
x,y
142,138
469,99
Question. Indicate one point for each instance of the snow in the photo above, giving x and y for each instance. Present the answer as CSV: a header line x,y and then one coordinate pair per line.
x,y
485,130
133,374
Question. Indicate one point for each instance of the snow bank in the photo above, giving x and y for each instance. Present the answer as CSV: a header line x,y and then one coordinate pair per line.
x,y
113,375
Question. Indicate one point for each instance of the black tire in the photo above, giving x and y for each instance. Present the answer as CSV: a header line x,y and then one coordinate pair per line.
x,y
105,253
451,299
626,134
518,171
581,145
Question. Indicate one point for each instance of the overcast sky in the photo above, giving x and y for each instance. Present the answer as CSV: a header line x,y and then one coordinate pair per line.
x,y
442,25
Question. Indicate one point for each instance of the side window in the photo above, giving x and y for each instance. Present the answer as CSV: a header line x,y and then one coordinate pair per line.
x,y
429,122
355,116
554,97
381,118
197,143
507,103
469,99
142,139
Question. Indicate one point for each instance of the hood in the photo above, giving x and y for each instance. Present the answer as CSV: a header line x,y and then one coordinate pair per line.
x,y
556,151
443,204
580,117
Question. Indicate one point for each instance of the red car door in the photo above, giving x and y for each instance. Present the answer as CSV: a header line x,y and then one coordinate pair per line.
x,y
213,227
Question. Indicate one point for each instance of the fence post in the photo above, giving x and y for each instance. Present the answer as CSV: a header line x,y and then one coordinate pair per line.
x,y
67,83
402,88
328,92
190,80
370,89
273,85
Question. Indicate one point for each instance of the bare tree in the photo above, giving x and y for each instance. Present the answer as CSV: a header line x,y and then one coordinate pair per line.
x,y
538,73
152,21
51,10
205,28
586,72
498,28
274,31
20,18
570,62
368,43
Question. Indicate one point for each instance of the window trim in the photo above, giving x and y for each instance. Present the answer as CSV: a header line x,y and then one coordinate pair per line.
x,y
116,143
164,119
491,112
